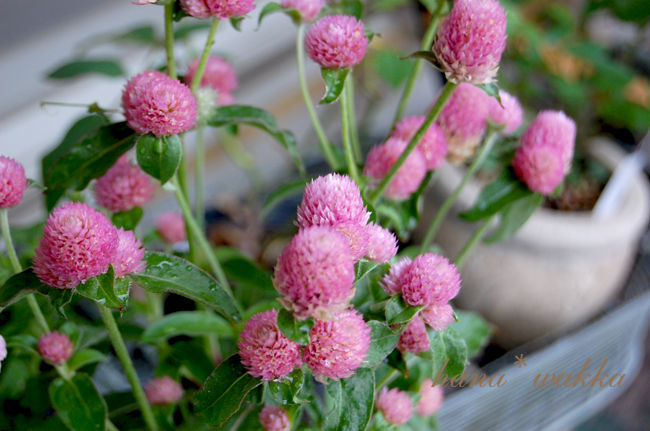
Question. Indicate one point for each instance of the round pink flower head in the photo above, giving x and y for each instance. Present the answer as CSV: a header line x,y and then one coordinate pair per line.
x,y
510,115
12,182
392,281
438,316
336,41
309,9
432,146
264,350
338,347
395,405
163,390
218,75
154,102
315,273
123,187
196,8
382,244
128,255
78,243
409,176
470,41
55,347
539,166
275,419
3,348
430,279
171,227
431,398
464,119
414,339
553,129
223,9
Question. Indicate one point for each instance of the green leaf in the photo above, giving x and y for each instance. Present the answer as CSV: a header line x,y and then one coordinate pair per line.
x,y
78,404
449,351
20,285
514,215
287,391
383,343
187,323
144,34
186,29
294,329
398,311
280,194
492,90
84,357
166,273
427,56
353,399
235,21
192,355
223,393
391,67
352,7
74,69
243,270
334,83
273,7
106,290
159,157
128,219
473,329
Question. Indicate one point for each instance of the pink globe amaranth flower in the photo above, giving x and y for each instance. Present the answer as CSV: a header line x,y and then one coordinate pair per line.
x,y
431,398
414,339
155,103
3,348
464,119
409,176
432,146
78,243
315,273
171,227
275,419
196,8
264,350
163,390
12,182
357,236
336,41
395,405
553,129
430,279
392,281
128,255
218,75
540,166
381,245
438,316
470,41
309,9
223,9
123,187
55,347
338,347
510,115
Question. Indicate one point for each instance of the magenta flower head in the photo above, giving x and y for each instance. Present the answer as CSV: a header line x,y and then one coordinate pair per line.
x,y
123,187
309,9
395,405
470,41
338,347
430,279
128,255
155,103
223,9
392,281
414,339
510,115
438,316
336,41
431,398
382,244
409,176
163,390
432,146
55,347
171,227
12,182
218,75
78,243
275,419
196,8
315,273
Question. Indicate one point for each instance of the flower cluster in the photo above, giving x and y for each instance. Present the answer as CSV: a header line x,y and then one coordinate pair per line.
x,y
336,41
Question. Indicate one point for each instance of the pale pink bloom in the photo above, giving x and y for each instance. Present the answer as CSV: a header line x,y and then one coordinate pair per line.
x,y
309,9
218,75
78,243
382,157
171,227
264,350
432,146
12,182
128,255
123,187
430,279
155,103
414,339
554,129
395,405
336,41
381,245
338,347
357,236
196,8
163,390
3,348
431,398
315,273
438,316
510,115
470,41
392,281
223,9
275,419
55,347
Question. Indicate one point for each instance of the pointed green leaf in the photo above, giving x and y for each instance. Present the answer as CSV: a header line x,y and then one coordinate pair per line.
x,y
78,404
492,90
84,357
187,323
353,399
74,69
106,290
235,21
159,157
287,390
449,350
398,311
294,329
473,329
280,194
243,270
22,284
334,83
514,215
383,343
273,7
427,56
128,219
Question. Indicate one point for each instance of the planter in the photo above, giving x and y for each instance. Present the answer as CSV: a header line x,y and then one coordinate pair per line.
x,y
559,270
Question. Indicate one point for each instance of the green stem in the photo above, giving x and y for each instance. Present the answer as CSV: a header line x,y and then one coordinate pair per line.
x,y
196,81
198,180
387,379
169,39
122,354
345,132
447,90
471,243
354,133
488,143
182,182
110,426
300,57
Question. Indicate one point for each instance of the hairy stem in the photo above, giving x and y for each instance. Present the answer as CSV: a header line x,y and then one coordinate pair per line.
x,y
471,243
354,133
196,81
169,39
345,132
198,179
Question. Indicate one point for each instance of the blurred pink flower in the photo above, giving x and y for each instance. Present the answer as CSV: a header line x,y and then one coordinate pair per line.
x,y
274,419
171,227
430,279
309,9
218,75
510,115
381,243
55,347
395,405
12,182
431,398
163,390
123,187
414,339
438,316
432,146
196,8
224,9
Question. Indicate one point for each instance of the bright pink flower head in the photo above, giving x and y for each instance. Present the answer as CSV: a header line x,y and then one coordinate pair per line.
x,y
12,182
163,390
223,9
154,102
123,187
552,128
432,146
382,244
510,115
464,119
430,279
338,347
171,227
275,419
414,339
218,75
431,398
395,405
392,282
78,243
409,176
357,236
309,9
3,348
470,41
438,316
128,255
55,347
336,41
196,8
264,350
315,273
